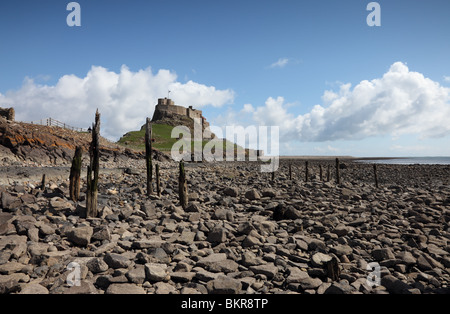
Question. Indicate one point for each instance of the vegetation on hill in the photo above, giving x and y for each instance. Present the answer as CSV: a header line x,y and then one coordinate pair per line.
x,y
162,136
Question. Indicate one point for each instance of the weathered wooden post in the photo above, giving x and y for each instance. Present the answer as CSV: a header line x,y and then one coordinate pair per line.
x,y
75,174
93,169
182,187
148,156
158,181
306,171
333,270
338,179
376,175
328,173
320,173
43,182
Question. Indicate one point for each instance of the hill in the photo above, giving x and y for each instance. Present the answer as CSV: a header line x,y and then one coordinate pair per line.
x,y
161,135
166,117
162,139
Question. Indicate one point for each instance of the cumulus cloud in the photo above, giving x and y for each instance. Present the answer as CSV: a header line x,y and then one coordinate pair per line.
x,y
278,115
124,99
400,102
248,108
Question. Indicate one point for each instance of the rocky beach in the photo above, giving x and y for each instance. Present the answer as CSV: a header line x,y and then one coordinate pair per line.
x,y
243,232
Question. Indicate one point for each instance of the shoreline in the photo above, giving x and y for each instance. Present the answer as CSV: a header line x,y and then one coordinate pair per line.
x,y
436,160
340,158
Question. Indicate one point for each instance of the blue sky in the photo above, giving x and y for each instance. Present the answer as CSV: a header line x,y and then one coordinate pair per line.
x,y
277,59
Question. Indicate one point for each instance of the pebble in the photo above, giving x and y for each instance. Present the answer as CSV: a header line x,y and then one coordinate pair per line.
x,y
242,233
320,259
125,288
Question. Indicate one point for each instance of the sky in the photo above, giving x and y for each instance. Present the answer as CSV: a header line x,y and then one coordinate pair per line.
x,y
332,84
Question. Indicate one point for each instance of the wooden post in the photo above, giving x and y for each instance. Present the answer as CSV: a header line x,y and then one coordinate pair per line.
x,y
158,182
328,173
376,175
333,270
306,171
182,187
75,174
93,169
148,156
43,182
338,179
320,173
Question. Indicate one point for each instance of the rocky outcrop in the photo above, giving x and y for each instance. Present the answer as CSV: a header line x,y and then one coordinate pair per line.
x,y
45,145
8,113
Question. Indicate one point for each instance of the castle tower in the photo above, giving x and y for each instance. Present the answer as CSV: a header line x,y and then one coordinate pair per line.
x,y
166,102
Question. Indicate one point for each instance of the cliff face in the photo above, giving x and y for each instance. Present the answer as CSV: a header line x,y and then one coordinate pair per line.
x,y
47,145
36,143
7,113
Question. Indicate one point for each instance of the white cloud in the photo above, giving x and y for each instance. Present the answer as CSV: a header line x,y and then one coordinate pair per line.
x,y
248,108
199,95
274,113
281,63
400,102
410,148
124,99
326,150
447,78
332,149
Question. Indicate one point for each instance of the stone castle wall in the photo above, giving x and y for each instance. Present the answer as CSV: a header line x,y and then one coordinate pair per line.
x,y
166,111
166,108
193,113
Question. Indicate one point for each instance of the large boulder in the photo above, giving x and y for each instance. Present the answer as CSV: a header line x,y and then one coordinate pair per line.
x,y
80,236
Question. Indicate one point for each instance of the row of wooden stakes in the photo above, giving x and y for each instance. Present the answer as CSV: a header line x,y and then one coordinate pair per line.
x,y
93,171
338,176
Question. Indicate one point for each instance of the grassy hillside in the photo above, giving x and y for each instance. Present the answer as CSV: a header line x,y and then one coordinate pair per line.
x,y
162,136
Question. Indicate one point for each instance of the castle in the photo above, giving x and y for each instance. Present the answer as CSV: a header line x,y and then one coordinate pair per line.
x,y
166,108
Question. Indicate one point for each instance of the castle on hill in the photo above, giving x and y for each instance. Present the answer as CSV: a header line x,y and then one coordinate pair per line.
x,y
166,109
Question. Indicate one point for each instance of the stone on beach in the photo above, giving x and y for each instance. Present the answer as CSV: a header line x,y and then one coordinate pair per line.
x,y
80,236
242,232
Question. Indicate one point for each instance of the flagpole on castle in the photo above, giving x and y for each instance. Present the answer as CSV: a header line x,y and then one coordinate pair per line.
x,y
168,95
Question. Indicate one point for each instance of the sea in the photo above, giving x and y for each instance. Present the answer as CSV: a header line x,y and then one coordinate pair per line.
x,y
409,161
